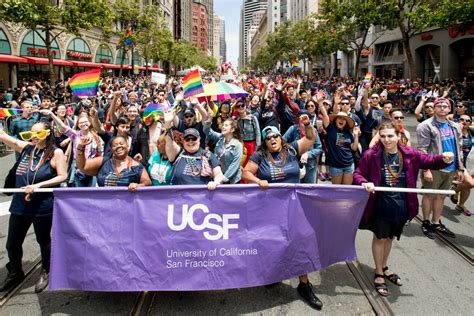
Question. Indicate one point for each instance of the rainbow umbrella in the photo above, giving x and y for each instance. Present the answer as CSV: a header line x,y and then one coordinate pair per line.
x,y
220,91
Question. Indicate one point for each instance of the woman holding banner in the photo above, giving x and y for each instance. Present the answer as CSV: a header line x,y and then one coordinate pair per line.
x,y
391,164
118,170
40,165
275,162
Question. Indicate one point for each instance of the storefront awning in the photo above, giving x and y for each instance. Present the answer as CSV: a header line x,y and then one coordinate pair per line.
x,y
11,59
44,61
89,64
111,66
150,68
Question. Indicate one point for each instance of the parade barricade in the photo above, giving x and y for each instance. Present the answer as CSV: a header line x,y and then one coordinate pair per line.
x,y
189,238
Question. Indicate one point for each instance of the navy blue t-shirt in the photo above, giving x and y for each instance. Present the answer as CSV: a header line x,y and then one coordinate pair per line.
x,y
187,168
277,171
339,147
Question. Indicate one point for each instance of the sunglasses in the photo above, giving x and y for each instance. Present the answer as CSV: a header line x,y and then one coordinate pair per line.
x,y
374,97
27,135
240,105
345,103
275,136
188,116
399,118
464,120
192,138
460,106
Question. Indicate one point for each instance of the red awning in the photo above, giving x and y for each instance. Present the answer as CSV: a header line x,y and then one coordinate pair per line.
x,y
12,59
150,68
44,61
89,64
111,66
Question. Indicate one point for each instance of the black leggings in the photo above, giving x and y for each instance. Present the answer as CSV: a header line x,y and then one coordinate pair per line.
x,y
17,230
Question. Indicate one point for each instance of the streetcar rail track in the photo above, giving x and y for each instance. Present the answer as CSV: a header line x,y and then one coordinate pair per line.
x,y
30,270
454,246
143,304
379,304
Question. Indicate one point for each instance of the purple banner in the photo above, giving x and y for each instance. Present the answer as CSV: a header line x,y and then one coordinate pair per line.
x,y
188,238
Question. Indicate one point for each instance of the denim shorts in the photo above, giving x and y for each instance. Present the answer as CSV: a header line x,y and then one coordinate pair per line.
x,y
335,172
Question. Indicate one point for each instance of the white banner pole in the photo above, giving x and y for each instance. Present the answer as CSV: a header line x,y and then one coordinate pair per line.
x,y
377,189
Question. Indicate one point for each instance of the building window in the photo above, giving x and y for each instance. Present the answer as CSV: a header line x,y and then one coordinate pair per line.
x,y
103,55
119,58
4,44
33,45
78,50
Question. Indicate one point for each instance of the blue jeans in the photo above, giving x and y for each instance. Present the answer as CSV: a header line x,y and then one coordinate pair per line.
x,y
335,172
310,176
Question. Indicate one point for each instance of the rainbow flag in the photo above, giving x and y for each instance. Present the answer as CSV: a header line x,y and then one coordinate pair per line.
x,y
152,111
9,112
85,84
367,78
192,83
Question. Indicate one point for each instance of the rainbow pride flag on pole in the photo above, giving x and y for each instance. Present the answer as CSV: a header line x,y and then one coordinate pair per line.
x,y
85,84
152,112
5,112
192,83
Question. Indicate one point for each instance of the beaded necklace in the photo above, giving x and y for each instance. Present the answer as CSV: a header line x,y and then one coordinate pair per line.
x,y
35,169
398,160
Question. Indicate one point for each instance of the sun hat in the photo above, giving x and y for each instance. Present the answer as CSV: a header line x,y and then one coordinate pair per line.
x,y
349,120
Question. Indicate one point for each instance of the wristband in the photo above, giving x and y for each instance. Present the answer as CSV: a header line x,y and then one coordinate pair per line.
x,y
258,181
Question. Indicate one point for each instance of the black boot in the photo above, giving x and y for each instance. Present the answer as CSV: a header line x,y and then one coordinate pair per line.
x,y
305,290
14,277
43,281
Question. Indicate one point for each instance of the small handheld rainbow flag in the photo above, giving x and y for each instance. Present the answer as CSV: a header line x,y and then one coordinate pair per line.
x,y
5,112
85,84
367,78
192,83
152,111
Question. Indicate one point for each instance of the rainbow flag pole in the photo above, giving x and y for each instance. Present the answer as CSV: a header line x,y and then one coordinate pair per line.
x,y
192,83
85,84
6,112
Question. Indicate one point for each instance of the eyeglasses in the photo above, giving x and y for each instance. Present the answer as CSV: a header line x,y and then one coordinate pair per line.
x,y
188,116
274,136
311,105
27,135
345,103
192,138
465,120
459,106
399,118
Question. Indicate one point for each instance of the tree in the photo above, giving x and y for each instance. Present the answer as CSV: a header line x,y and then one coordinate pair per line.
x,y
350,20
71,16
412,16
126,15
153,36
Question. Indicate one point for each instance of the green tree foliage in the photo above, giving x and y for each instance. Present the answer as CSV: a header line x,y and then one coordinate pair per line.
x,y
350,21
412,16
71,16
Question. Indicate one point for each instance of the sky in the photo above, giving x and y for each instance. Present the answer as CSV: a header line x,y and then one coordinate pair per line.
x,y
230,11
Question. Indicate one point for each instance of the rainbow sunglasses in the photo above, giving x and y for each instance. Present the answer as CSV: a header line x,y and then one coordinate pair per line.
x,y
27,135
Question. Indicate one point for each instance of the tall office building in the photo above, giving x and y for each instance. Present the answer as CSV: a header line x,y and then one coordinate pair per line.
x,y
299,9
199,28
216,38
246,14
223,44
278,11
186,20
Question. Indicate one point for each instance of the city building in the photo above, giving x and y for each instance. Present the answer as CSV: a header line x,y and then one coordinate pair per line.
x,y
278,11
438,53
199,26
299,9
260,36
253,29
246,14
216,36
223,44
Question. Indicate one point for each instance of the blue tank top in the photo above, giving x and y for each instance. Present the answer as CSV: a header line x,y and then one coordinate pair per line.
x,y
108,178
39,204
